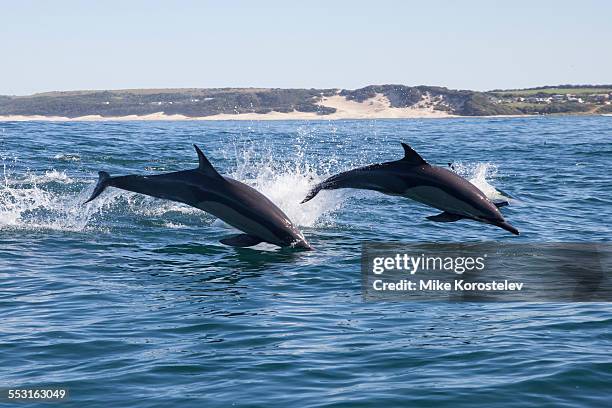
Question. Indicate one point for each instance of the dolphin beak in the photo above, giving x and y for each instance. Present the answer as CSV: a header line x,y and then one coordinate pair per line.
x,y
507,227
307,246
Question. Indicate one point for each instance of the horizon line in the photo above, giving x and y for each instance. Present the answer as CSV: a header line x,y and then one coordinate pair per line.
x,y
568,85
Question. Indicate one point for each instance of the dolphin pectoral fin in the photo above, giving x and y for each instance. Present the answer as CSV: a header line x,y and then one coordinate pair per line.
x,y
445,217
241,240
500,204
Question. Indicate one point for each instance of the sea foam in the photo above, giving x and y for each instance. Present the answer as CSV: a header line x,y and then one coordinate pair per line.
x,y
481,175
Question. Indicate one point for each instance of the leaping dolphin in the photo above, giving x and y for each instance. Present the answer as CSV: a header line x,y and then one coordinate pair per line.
x,y
234,202
414,178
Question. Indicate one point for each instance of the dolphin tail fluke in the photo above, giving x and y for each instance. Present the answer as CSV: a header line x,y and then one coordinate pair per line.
x,y
103,182
312,193
336,181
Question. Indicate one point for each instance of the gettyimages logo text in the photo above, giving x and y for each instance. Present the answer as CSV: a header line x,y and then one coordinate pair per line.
x,y
490,271
412,264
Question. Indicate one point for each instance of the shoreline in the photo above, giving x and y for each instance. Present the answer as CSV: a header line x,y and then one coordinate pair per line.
x,y
376,107
242,117
274,116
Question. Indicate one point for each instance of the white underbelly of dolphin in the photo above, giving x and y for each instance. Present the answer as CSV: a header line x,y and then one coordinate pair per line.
x,y
237,220
440,199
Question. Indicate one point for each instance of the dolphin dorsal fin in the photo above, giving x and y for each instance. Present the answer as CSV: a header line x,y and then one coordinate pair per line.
x,y
204,165
412,157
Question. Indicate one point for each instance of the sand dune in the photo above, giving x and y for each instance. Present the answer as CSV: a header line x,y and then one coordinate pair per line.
x,y
377,107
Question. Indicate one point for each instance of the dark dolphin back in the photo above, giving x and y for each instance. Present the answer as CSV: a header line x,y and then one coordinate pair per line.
x,y
382,177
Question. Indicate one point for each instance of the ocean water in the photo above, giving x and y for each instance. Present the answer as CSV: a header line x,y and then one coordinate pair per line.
x,y
132,301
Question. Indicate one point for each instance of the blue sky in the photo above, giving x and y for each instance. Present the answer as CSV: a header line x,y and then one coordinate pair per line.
x,y
67,45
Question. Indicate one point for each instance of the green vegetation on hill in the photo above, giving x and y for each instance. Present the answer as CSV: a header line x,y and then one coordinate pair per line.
x,y
551,108
188,102
194,102
561,90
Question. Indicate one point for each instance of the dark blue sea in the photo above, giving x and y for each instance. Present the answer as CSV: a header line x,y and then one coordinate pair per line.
x,y
131,301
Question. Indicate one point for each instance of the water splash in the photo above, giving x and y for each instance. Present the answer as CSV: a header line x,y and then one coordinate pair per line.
x,y
50,176
31,202
286,183
68,157
47,200
480,174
